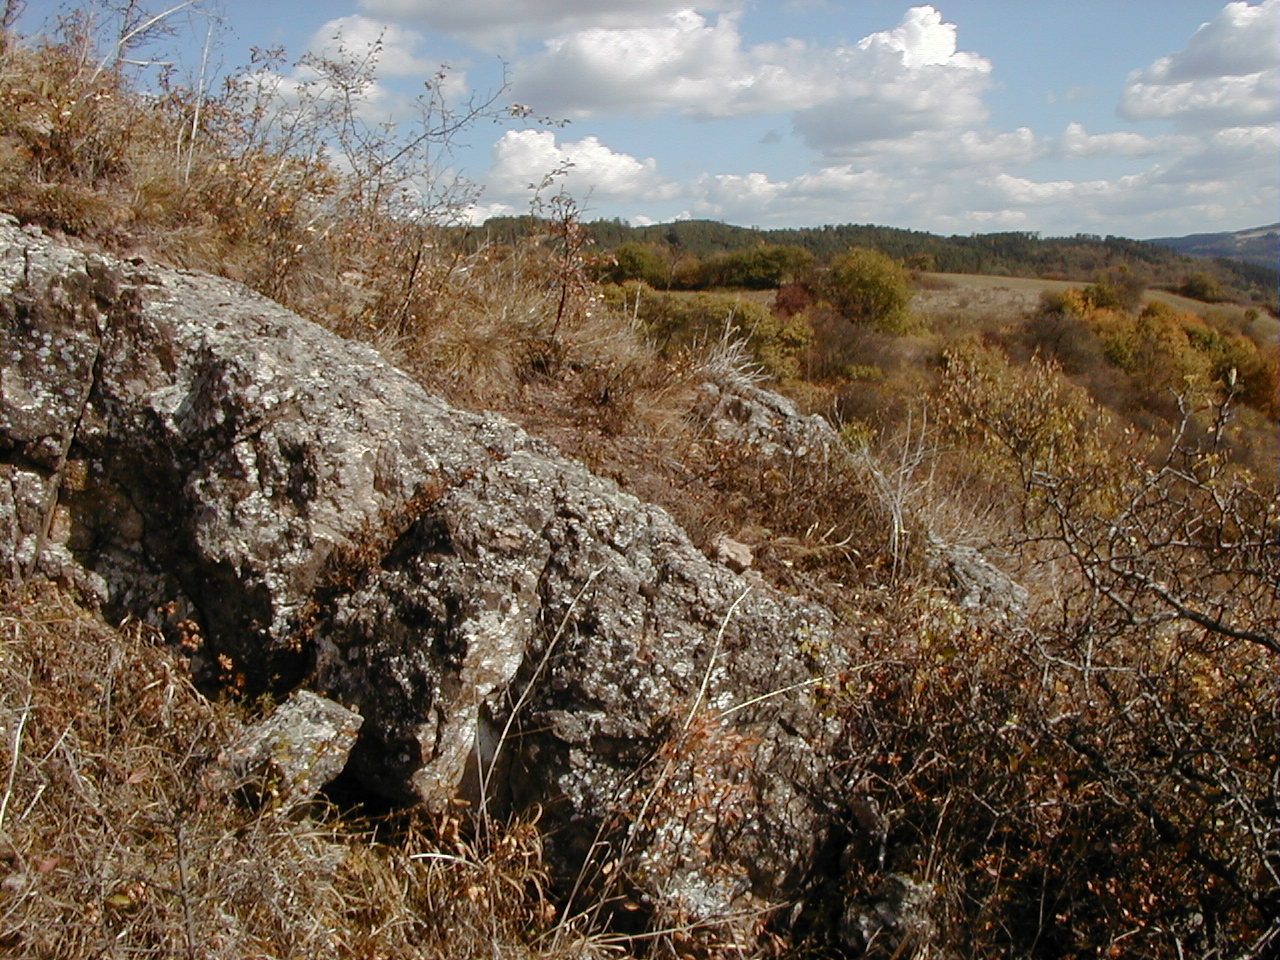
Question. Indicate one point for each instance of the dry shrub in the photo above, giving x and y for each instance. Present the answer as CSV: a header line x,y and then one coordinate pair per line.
x,y
792,298
291,191
842,351
111,843
1135,361
677,322
1096,780
1040,801
514,328
1099,779
67,133
1075,345
86,153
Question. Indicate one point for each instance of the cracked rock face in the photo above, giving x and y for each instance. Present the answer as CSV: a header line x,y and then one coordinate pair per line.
x,y
506,623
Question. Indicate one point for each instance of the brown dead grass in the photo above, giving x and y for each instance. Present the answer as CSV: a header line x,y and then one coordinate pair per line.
x,y
112,844
964,292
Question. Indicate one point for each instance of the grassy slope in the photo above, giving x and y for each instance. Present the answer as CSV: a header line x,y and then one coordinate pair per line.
x,y
1027,291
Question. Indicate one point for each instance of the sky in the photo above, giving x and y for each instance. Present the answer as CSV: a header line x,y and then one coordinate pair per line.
x,y
1138,118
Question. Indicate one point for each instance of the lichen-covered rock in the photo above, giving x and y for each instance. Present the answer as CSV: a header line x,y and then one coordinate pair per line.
x,y
899,918
976,582
769,424
734,554
506,623
291,755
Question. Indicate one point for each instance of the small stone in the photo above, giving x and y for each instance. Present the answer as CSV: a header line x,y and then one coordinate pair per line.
x,y
735,555
291,755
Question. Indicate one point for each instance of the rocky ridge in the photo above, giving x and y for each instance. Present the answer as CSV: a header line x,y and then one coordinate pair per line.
x,y
513,630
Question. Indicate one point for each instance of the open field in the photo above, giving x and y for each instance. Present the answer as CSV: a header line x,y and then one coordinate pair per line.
x,y
975,296
971,297
978,296
1028,290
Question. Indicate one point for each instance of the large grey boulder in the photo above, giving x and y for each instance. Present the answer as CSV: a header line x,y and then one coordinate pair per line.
x,y
511,628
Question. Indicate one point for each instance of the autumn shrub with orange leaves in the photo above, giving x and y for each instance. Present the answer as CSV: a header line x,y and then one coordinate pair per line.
x,y
1170,351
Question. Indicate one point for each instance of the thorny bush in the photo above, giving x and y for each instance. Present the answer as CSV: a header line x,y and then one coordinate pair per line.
x,y
1096,780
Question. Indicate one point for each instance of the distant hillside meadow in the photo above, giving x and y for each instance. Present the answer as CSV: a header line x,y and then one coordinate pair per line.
x,y
1242,274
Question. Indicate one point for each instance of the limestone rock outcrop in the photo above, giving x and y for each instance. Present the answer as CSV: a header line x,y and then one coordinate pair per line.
x,y
510,627
769,424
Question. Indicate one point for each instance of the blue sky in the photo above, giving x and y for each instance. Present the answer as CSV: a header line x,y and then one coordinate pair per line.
x,y
1133,117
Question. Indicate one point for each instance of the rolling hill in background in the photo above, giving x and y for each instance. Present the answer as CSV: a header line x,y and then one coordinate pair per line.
x,y
1259,245
1245,274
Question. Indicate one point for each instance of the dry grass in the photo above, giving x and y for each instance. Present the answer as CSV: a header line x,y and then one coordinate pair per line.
x,y
981,300
113,844
967,293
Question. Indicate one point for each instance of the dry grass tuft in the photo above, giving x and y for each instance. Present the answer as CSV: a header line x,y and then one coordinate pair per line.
x,y
112,845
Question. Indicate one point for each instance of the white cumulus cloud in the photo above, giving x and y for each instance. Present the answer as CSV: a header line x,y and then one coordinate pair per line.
x,y
592,171
503,21
920,40
888,85
1021,191
1240,41
682,63
1077,142
386,47
1227,75
934,149
895,83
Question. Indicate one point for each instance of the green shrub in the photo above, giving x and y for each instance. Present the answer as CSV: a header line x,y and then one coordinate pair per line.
x,y
1201,286
1116,289
764,267
682,321
869,288
637,261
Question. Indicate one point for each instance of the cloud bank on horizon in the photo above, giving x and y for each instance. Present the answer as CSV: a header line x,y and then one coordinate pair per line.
x,y
676,112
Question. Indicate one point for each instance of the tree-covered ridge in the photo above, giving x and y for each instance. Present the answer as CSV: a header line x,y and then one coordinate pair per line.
x,y
1016,253
1258,246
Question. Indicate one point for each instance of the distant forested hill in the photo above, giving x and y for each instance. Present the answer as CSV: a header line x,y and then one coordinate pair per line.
x,y
1259,245
1020,254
